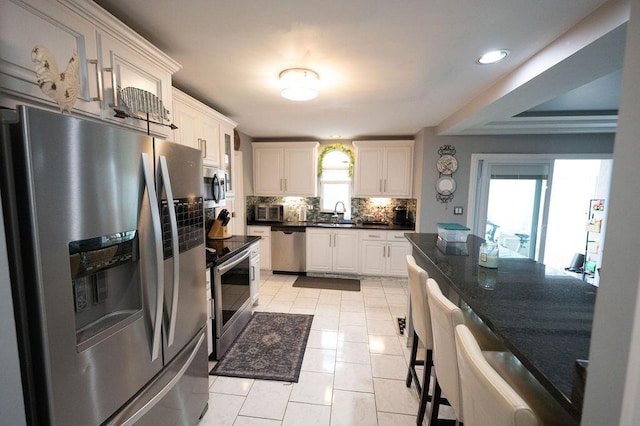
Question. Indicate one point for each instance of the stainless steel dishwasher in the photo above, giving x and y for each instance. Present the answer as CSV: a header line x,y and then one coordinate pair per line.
x,y
288,248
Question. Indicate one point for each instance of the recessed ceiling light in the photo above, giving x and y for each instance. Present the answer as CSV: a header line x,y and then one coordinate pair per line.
x,y
493,56
335,136
299,84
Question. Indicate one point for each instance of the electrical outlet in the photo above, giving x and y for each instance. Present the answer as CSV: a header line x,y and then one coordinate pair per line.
x,y
457,210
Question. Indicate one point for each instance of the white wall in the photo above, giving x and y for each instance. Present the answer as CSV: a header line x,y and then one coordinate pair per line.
x,y
613,379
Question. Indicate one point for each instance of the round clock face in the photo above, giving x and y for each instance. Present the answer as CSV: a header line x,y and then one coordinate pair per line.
x,y
447,164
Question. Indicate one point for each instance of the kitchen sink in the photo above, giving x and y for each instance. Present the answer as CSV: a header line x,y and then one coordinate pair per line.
x,y
336,225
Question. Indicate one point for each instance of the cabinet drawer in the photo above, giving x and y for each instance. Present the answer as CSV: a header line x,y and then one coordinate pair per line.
x,y
373,234
396,236
259,231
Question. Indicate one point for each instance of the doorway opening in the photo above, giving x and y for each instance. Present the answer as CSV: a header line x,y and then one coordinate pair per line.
x,y
536,206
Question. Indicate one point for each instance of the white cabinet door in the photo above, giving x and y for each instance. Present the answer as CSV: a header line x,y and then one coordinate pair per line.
x,y
398,171
265,243
123,67
187,119
210,143
319,250
24,25
345,252
397,258
368,172
373,257
268,165
300,172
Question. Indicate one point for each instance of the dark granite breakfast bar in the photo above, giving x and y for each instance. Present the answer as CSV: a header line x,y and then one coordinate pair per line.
x,y
543,315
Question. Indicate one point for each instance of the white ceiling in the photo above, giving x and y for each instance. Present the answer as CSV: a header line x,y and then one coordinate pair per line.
x,y
387,67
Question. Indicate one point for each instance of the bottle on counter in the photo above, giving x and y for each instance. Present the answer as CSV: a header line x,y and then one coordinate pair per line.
x,y
488,255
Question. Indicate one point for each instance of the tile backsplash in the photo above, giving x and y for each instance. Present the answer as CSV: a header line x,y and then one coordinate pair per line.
x,y
374,209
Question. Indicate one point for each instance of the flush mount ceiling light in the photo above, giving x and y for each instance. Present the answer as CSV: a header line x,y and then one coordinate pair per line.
x,y
299,84
493,56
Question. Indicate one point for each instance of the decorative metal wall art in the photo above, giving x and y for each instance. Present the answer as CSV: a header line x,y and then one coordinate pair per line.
x,y
62,87
133,101
447,165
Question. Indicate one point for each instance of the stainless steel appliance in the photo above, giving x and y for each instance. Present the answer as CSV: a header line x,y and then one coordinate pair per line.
x,y
106,241
269,213
232,299
213,187
288,247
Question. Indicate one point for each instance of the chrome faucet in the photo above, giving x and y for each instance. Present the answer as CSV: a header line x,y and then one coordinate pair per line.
x,y
335,211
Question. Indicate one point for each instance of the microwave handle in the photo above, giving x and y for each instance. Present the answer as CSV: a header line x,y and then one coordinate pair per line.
x,y
157,238
163,171
215,188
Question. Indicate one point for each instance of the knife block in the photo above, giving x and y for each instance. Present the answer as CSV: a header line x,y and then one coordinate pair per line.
x,y
218,232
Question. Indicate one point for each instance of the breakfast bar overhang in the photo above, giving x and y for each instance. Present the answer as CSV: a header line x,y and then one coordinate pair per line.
x,y
543,315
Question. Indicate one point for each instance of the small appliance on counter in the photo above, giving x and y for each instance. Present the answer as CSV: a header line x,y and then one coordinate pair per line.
x,y
400,216
269,213
218,230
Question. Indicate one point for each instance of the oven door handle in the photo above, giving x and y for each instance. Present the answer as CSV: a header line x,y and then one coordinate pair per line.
x,y
229,264
163,171
157,238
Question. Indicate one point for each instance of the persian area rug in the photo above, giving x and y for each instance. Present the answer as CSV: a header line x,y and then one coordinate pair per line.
x,y
270,347
327,283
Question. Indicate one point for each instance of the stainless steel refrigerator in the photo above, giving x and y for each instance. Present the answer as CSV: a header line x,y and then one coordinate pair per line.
x,y
105,240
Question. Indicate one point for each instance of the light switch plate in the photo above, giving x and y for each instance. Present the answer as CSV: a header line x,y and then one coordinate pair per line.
x,y
457,210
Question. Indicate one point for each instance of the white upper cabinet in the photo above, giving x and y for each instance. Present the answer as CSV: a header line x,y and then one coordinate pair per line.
x,y
24,25
383,168
285,169
109,55
198,127
124,66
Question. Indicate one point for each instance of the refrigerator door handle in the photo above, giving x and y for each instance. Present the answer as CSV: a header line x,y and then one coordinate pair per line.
x,y
166,181
157,237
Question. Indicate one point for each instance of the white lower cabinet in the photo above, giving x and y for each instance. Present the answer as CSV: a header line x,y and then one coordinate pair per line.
x,y
384,253
265,243
330,250
254,272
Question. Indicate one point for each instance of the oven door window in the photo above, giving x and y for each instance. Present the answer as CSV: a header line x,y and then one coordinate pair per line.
x,y
234,289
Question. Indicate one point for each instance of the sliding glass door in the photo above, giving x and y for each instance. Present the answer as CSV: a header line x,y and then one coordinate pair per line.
x,y
512,205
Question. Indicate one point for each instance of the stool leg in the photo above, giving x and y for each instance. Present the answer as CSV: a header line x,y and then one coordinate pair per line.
x,y
412,361
435,404
424,395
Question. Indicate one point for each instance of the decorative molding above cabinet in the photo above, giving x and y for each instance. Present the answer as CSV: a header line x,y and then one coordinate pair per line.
x,y
110,55
287,168
383,168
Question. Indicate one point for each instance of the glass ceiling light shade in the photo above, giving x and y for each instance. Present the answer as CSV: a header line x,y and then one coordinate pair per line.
x,y
299,84
493,56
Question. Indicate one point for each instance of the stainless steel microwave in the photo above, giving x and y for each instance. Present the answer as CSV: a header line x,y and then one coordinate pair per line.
x,y
269,213
214,189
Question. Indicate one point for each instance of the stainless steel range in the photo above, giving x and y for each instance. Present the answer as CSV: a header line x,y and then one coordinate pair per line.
x,y
232,276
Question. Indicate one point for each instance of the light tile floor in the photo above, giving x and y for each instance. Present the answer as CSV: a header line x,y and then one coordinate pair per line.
x,y
354,368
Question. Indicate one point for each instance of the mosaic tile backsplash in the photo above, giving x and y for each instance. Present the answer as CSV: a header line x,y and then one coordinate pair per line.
x,y
365,209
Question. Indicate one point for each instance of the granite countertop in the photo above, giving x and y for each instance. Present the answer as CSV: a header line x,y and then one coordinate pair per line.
x,y
543,315
228,247
345,225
